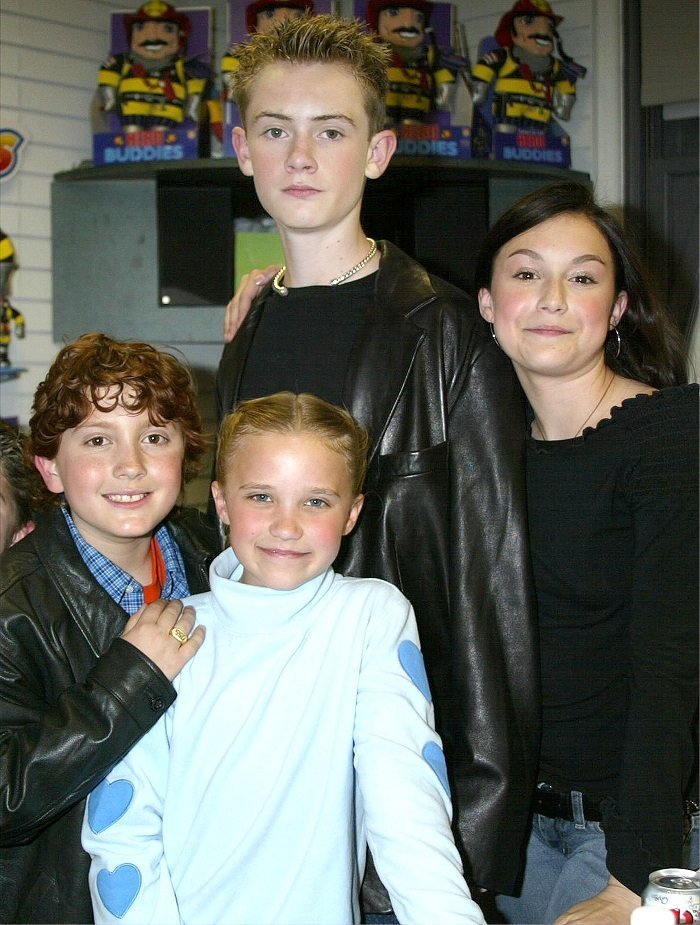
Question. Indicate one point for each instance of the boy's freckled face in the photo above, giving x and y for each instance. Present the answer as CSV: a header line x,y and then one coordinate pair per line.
x,y
120,473
307,144
288,501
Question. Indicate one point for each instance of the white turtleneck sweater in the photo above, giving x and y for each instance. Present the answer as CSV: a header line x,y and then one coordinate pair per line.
x,y
302,730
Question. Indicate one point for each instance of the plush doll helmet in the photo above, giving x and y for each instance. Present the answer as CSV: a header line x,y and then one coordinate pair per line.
x,y
504,32
375,7
252,10
158,11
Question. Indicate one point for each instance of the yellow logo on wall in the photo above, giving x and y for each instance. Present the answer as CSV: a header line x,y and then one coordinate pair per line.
x,y
11,142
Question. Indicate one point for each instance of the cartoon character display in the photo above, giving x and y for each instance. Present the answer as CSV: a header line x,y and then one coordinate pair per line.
x,y
520,79
419,84
153,85
262,16
9,316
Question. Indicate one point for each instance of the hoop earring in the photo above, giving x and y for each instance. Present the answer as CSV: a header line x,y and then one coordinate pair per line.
x,y
493,334
619,343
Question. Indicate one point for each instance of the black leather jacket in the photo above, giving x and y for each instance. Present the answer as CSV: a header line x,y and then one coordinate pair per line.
x,y
444,520
73,700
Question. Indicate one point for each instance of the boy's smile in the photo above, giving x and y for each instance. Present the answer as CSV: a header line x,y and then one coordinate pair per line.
x,y
121,476
288,502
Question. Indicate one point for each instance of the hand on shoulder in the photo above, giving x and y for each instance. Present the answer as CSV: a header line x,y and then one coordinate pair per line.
x,y
239,306
149,630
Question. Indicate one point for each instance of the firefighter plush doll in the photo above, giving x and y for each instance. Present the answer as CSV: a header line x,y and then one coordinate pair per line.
x,y
530,82
9,316
262,16
418,83
153,85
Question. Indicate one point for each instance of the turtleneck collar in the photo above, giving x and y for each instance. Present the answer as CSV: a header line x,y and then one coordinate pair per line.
x,y
251,609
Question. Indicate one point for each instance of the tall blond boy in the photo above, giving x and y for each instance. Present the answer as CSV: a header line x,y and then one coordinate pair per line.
x,y
363,325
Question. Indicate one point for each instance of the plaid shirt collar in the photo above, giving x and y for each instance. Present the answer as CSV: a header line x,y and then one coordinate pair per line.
x,y
121,587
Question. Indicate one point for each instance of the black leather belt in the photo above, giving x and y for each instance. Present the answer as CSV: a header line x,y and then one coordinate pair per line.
x,y
558,804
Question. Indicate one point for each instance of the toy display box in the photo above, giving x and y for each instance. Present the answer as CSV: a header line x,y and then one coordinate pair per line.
x,y
237,33
444,131
115,143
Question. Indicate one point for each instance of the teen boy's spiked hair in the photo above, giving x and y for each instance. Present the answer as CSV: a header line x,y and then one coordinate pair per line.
x,y
312,40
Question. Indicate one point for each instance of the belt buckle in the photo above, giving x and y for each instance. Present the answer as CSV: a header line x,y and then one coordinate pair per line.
x,y
555,804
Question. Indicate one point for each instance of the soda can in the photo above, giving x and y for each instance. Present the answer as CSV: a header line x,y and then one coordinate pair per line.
x,y
676,889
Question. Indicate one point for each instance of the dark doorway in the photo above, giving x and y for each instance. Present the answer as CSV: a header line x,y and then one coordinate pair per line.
x,y
661,182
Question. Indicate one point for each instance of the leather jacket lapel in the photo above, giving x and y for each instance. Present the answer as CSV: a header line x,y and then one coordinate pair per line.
x,y
234,357
88,604
373,386
387,343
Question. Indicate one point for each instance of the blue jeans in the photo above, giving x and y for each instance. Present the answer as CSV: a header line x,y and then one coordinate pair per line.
x,y
565,864
691,846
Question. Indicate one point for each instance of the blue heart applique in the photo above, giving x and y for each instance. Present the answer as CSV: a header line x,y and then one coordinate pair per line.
x,y
411,659
107,803
119,889
433,754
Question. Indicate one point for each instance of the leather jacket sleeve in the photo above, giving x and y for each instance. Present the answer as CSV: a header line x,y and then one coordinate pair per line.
x,y
72,700
445,520
494,721
54,755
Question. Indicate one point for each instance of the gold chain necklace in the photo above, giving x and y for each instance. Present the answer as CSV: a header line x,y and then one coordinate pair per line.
x,y
595,408
279,276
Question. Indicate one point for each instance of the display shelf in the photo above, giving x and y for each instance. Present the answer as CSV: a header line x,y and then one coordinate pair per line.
x,y
127,237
